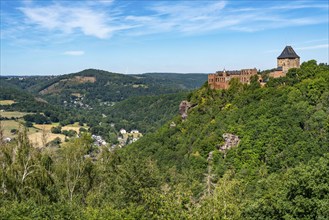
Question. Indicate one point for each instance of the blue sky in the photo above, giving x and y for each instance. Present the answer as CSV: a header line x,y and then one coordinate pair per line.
x,y
59,37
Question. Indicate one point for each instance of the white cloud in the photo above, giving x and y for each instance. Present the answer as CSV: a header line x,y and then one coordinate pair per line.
x,y
313,47
320,46
104,2
103,18
74,52
69,19
191,17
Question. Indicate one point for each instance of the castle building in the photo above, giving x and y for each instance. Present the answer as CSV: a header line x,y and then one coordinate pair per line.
x,y
221,79
288,59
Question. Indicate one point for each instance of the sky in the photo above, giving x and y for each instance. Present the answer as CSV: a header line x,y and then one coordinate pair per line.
x,y
49,37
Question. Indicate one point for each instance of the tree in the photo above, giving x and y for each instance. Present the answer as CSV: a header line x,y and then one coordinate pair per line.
x,y
72,166
56,130
28,124
225,203
44,136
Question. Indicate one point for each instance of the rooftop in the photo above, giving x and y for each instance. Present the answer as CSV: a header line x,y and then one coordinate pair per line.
x,y
288,52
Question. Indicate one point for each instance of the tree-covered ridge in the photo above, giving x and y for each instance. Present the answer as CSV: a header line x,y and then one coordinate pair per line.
x,y
290,112
107,87
142,102
279,169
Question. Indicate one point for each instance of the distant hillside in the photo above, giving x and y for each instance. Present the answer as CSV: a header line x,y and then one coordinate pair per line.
x,y
102,86
185,80
143,101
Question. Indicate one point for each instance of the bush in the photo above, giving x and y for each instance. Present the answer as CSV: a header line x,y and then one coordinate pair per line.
x,y
28,124
56,130
14,131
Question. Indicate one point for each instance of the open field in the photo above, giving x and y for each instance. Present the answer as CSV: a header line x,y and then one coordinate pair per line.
x,y
74,127
76,94
7,102
46,127
35,134
13,114
36,138
7,125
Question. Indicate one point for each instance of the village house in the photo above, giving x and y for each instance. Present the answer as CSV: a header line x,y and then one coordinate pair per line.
x,y
98,140
134,131
129,137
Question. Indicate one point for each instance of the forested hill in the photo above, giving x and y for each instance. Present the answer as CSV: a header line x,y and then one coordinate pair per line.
x,y
106,86
280,166
186,80
249,152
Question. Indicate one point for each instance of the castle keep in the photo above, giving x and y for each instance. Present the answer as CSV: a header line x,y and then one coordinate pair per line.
x,y
288,59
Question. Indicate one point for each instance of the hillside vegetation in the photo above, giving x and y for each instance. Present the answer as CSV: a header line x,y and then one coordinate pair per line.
x,y
278,170
103,86
101,99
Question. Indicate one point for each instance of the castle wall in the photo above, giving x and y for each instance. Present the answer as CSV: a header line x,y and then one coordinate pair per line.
x,y
277,74
220,80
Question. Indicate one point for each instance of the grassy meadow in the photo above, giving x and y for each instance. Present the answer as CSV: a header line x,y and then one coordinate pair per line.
x,y
36,132
36,138
7,102
14,114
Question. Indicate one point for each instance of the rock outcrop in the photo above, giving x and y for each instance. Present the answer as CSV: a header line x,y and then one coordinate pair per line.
x,y
231,140
183,107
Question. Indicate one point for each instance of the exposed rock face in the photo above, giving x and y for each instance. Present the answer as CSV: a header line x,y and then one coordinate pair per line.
x,y
172,124
231,140
183,107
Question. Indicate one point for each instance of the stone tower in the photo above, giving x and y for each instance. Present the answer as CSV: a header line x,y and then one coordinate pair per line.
x,y
288,59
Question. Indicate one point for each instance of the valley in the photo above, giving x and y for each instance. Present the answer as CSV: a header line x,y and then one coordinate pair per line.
x,y
105,102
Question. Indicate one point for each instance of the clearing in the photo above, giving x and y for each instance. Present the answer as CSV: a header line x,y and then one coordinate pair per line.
x,y
74,127
36,133
7,102
47,127
8,125
36,138
13,114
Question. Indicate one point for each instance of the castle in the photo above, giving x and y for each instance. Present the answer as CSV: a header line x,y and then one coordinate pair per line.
x,y
287,59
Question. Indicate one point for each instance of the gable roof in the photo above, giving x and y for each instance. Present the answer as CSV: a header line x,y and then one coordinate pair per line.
x,y
288,52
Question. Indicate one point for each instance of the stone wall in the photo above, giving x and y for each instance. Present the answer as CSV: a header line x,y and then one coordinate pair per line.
x,y
220,80
277,74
